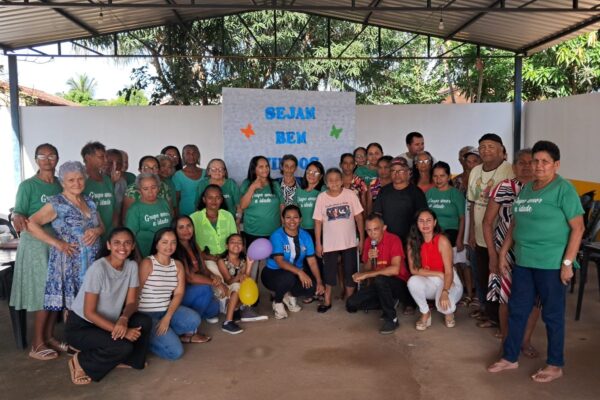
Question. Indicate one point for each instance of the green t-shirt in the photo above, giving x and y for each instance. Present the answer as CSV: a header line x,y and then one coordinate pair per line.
x,y
541,219
145,219
130,178
231,193
104,196
448,205
164,192
188,189
213,237
33,193
171,191
366,174
306,202
262,216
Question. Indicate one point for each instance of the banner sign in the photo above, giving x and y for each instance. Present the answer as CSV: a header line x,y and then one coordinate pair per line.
x,y
310,125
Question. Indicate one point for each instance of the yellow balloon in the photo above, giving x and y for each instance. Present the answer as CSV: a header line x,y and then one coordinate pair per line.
x,y
248,292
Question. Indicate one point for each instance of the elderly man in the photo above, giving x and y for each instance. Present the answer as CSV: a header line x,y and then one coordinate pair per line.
x,y
398,202
385,263
482,179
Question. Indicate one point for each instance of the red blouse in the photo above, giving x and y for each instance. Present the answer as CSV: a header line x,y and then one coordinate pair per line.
x,y
431,257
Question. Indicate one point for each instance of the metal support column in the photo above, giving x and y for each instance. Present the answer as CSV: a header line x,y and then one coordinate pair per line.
x,y
15,118
517,103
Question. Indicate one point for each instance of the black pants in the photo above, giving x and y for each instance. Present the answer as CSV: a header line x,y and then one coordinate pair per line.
x,y
307,269
483,274
350,262
281,281
99,352
381,293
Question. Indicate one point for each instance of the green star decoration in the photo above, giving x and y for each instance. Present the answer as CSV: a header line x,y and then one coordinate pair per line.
x,y
335,132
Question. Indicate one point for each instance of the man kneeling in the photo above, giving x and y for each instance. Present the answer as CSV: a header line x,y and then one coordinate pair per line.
x,y
385,262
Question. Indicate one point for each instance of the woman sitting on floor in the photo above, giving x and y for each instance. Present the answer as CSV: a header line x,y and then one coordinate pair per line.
x,y
103,323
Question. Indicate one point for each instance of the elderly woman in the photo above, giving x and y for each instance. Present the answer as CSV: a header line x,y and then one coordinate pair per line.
x,y
433,276
148,214
547,228
368,172
147,165
422,171
187,179
216,174
284,274
104,324
288,182
31,266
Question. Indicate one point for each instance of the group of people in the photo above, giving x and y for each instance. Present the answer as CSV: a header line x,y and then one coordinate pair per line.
x,y
139,262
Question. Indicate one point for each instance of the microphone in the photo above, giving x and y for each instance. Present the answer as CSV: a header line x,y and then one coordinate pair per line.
x,y
373,260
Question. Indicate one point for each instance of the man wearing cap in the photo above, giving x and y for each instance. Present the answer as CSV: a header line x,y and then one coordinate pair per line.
x,y
415,144
398,202
469,158
482,179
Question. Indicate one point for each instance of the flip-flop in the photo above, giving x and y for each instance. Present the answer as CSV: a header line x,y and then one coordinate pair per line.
x,y
195,338
502,365
487,324
543,376
530,352
81,379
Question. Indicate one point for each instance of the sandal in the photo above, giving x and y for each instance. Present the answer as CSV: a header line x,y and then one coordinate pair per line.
x,y
43,353
421,325
502,365
487,324
308,300
465,301
78,376
475,303
450,322
61,347
195,338
475,314
545,375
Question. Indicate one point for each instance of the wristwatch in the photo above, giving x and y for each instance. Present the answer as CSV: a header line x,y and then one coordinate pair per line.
x,y
567,263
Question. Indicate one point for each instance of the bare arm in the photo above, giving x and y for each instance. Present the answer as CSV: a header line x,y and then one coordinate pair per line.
x,y
246,199
391,270
445,249
43,216
360,225
178,293
460,238
472,241
420,271
489,219
577,229
318,232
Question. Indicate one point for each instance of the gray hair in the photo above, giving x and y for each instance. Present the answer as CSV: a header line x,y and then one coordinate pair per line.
x,y
521,153
146,175
70,167
163,157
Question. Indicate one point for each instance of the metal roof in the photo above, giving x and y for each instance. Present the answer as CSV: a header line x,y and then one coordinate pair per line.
x,y
522,26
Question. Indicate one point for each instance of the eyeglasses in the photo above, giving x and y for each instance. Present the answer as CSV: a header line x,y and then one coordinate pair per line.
x,y
214,169
44,157
424,161
313,173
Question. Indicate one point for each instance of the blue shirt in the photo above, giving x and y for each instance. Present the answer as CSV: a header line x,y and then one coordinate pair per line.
x,y
294,249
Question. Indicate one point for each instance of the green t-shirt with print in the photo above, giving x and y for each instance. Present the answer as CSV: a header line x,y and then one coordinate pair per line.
x,y
305,200
145,219
541,217
104,196
231,193
164,192
262,216
366,174
33,193
448,205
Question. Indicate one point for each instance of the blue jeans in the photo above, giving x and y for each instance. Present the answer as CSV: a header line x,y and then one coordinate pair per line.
x,y
201,299
168,346
526,283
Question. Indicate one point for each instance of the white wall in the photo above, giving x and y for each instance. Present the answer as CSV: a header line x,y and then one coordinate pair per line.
x,y
573,123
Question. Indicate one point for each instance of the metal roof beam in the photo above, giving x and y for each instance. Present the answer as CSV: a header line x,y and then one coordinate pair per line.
x,y
88,49
70,17
560,34
252,34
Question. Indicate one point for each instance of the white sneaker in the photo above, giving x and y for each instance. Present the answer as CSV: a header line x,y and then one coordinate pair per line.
x,y
279,311
290,302
212,320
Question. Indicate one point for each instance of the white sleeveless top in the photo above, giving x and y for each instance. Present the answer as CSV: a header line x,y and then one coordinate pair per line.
x,y
158,289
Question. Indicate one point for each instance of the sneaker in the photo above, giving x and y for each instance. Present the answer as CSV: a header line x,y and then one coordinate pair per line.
x,y
248,314
279,311
389,327
212,320
231,327
290,302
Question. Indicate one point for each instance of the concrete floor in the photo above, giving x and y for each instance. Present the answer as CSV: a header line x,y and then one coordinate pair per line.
x,y
330,356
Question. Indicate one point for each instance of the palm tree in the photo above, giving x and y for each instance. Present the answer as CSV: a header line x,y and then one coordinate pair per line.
x,y
82,84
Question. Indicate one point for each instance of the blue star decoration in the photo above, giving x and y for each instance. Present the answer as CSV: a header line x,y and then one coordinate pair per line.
x,y
335,132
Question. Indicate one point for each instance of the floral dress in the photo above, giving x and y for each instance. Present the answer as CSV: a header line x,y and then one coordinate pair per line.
x,y
65,273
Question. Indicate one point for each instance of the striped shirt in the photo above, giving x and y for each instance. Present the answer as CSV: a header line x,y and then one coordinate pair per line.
x,y
505,194
158,288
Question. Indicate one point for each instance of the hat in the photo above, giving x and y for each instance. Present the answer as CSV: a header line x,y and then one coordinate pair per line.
x,y
491,136
399,161
471,150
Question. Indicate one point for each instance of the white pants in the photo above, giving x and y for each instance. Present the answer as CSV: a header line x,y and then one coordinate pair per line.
x,y
423,288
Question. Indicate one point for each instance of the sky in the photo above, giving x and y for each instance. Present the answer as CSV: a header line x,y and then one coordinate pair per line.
x,y
51,74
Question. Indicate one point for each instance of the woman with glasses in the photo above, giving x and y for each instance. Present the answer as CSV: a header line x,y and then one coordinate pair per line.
x,y
216,174
187,179
422,171
31,265
147,165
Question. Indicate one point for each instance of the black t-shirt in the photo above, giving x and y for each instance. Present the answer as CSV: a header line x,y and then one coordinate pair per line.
x,y
398,208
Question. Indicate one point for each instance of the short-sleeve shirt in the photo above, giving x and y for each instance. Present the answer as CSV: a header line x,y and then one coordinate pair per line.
x,y
145,220
188,190
481,184
366,174
294,249
33,193
305,200
110,285
389,246
213,237
231,193
103,194
398,207
448,205
337,217
262,216
130,178
504,194
542,227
